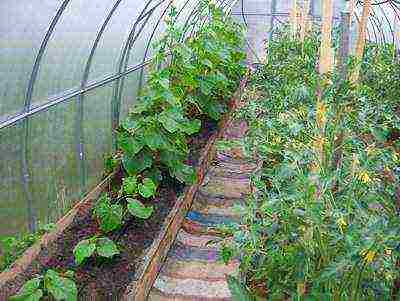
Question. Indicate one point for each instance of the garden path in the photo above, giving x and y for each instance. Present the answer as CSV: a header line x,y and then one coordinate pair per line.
x,y
192,270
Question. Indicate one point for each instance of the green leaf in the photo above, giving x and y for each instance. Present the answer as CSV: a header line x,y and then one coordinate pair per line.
x,y
238,290
130,124
207,63
190,127
134,165
129,185
205,87
30,291
154,174
226,254
83,250
128,144
170,119
154,139
185,173
147,188
143,104
69,274
105,247
137,209
60,288
109,215
169,97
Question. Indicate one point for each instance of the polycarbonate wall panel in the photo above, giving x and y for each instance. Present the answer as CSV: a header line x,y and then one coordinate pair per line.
x,y
122,16
53,162
13,206
96,132
68,49
22,27
129,93
147,32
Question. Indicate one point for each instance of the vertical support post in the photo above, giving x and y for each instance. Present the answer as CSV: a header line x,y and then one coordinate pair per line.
x,y
25,176
344,42
293,18
312,8
362,31
342,61
304,19
350,8
272,23
326,57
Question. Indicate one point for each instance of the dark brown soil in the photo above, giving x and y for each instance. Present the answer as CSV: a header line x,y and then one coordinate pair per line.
x,y
99,279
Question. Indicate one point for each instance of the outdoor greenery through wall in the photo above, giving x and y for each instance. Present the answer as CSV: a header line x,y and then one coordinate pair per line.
x,y
190,79
324,221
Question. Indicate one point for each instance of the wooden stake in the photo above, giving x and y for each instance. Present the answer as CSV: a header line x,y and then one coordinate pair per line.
x,y
362,31
293,18
350,9
304,19
326,56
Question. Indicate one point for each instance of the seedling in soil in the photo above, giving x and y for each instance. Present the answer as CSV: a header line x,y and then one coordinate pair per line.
x,y
99,246
51,284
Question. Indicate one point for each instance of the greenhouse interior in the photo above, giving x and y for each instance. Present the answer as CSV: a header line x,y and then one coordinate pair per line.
x,y
200,150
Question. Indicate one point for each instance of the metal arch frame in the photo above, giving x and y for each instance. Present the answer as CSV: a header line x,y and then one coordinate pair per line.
x,y
123,65
79,102
379,26
149,43
194,18
25,178
373,24
222,5
388,22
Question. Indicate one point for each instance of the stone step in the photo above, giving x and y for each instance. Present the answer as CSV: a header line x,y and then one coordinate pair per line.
x,y
203,200
196,228
156,295
224,187
214,271
192,288
207,208
236,130
235,166
211,220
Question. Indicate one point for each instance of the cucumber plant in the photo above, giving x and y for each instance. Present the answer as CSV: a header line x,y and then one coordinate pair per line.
x,y
59,286
99,246
192,83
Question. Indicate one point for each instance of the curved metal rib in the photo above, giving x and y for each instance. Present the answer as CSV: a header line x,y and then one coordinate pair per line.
x,y
79,103
25,179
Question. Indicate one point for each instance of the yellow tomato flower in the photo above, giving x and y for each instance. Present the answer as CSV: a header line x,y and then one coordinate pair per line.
x,y
342,224
321,114
318,143
396,157
368,255
301,112
364,177
388,252
371,150
314,167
